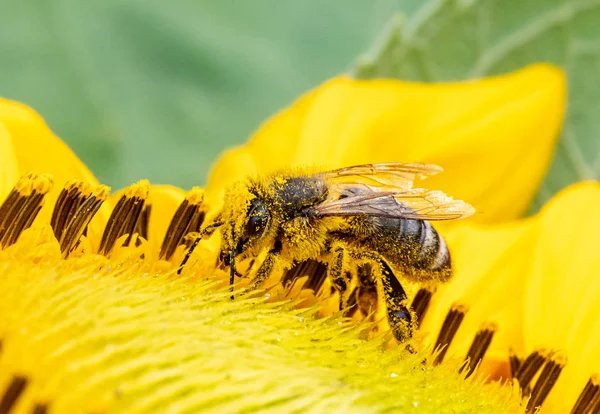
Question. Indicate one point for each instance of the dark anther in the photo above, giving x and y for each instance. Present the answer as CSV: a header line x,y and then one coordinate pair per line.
x,y
73,194
315,270
188,218
12,393
40,409
351,307
545,382
125,216
515,363
22,206
530,366
589,399
449,328
74,223
144,222
420,303
479,347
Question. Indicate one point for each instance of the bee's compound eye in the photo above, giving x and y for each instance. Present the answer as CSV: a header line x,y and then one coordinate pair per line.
x,y
258,219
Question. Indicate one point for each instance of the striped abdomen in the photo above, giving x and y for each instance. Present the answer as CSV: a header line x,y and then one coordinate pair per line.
x,y
411,245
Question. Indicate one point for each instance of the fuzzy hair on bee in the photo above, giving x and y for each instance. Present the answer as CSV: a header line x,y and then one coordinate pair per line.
x,y
366,217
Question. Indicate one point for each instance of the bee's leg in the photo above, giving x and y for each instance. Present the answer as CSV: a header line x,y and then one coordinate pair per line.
x,y
208,230
400,317
266,267
366,295
263,272
337,275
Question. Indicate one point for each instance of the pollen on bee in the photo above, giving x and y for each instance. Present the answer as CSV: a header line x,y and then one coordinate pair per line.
x,y
22,206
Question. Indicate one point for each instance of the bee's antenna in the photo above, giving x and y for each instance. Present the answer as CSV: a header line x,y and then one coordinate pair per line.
x,y
202,233
232,260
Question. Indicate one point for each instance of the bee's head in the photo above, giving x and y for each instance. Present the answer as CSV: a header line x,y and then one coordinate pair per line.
x,y
247,220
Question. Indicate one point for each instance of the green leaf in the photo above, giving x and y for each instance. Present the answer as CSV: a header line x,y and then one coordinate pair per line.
x,y
441,40
156,89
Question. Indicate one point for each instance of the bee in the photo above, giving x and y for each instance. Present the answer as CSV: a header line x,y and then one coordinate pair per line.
x,y
365,216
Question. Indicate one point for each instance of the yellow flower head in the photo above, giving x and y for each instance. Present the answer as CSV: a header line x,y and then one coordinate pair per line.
x,y
97,316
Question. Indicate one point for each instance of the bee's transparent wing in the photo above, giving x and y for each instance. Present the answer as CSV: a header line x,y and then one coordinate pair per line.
x,y
392,176
418,204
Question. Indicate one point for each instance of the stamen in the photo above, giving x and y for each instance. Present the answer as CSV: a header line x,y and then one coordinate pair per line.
x,y
478,348
595,403
315,270
589,399
515,363
187,219
73,194
546,381
40,409
12,393
530,367
144,221
351,304
421,302
22,206
451,324
125,216
78,221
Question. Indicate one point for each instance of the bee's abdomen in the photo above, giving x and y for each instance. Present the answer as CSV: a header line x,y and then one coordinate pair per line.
x,y
423,247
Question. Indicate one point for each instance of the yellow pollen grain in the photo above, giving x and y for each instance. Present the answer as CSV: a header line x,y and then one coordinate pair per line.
x,y
460,307
560,358
195,195
82,186
41,183
137,190
489,326
101,192
595,379
544,352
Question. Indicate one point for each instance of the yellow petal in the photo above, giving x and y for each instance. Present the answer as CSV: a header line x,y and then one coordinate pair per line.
x,y
9,171
164,200
564,287
36,148
490,266
493,124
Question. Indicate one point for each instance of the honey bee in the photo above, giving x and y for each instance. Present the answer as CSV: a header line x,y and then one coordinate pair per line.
x,y
365,216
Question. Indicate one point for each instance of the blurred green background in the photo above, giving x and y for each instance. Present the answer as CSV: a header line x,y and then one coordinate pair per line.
x,y
155,89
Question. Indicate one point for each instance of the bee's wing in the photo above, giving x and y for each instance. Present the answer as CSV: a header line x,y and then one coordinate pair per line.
x,y
418,204
392,176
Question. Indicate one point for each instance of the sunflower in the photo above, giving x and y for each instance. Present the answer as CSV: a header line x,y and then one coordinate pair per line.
x,y
96,318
